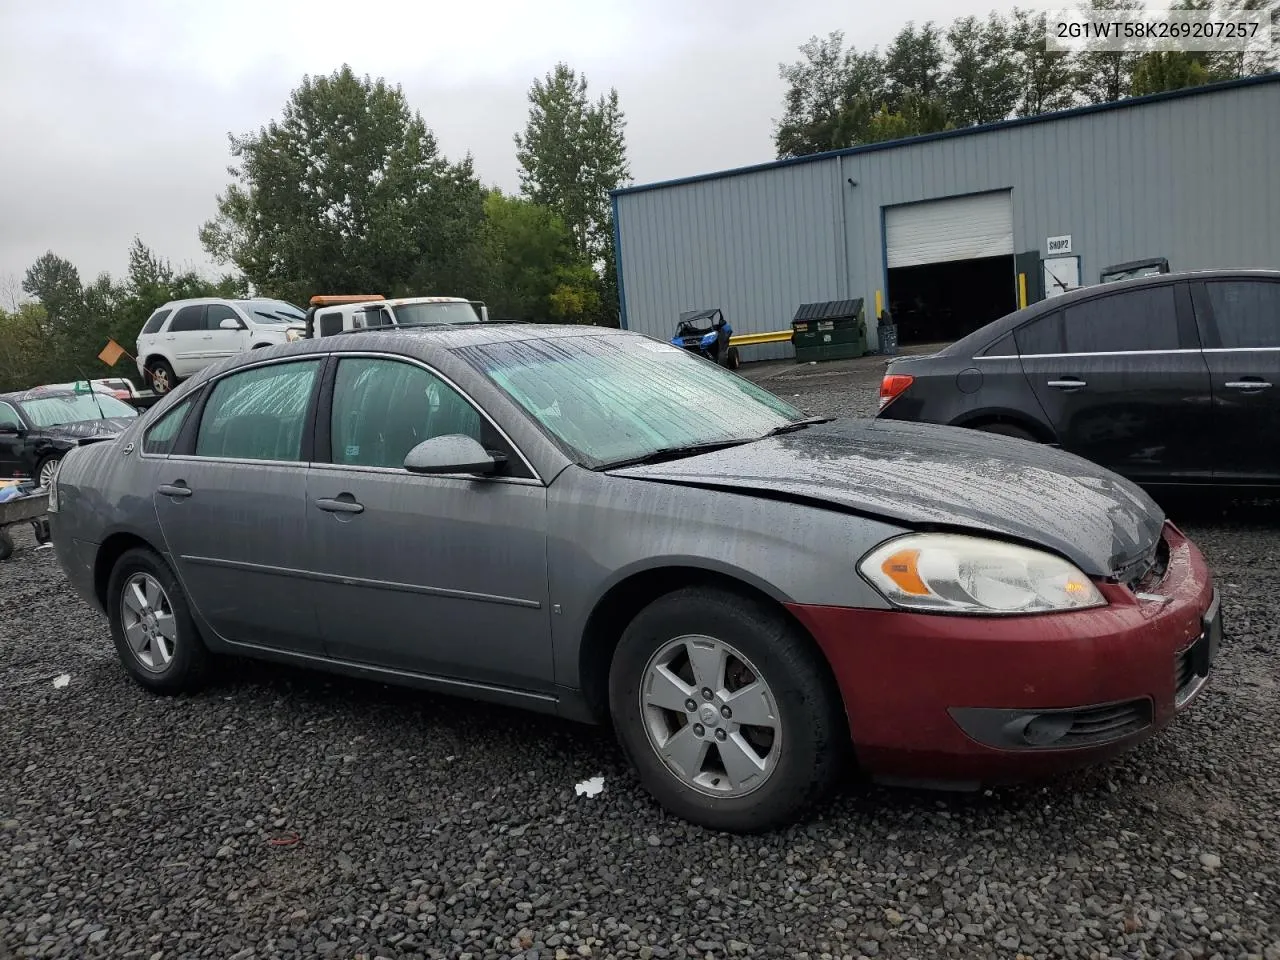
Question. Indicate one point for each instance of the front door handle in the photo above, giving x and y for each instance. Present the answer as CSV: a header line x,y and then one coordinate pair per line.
x,y
179,489
1258,384
344,503
1071,384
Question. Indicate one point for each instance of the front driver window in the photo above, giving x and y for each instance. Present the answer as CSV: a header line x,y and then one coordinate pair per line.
x,y
9,416
382,409
259,414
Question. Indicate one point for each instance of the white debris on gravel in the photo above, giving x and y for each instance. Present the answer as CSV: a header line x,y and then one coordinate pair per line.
x,y
61,680
590,788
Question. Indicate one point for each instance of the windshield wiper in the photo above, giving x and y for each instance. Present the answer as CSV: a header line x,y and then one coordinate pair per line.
x,y
795,425
673,453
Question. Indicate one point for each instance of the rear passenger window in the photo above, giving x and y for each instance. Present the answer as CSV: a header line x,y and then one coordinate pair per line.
x,y
1042,335
1143,319
382,409
188,318
1247,313
258,414
160,437
156,321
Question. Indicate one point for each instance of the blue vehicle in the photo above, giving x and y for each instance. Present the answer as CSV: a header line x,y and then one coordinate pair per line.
x,y
707,333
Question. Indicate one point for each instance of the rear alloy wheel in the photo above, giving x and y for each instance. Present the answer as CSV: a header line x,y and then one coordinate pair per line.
x,y
161,377
1007,430
726,710
47,470
151,624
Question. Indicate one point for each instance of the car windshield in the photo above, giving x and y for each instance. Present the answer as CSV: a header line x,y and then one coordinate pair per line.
x,y
75,408
416,314
277,312
613,399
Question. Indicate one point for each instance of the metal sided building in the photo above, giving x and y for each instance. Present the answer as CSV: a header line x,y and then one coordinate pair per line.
x,y
951,230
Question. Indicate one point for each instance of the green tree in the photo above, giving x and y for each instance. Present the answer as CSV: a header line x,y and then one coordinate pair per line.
x,y
915,64
346,192
1047,79
572,153
1159,71
831,96
982,83
55,282
1101,75
531,254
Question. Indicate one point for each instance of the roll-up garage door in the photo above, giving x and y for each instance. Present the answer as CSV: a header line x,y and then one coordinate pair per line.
x,y
958,228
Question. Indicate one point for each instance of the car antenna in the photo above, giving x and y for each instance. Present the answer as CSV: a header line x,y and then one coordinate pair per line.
x,y
93,393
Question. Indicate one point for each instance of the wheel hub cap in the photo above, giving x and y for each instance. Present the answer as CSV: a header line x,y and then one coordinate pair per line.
x,y
146,615
710,716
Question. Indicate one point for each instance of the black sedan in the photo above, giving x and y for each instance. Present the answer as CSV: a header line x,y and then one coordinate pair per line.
x,y
1169,379
39,425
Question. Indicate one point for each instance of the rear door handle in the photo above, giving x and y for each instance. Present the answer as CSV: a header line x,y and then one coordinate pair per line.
x,y
1246,384
340,505
1067,384
178,489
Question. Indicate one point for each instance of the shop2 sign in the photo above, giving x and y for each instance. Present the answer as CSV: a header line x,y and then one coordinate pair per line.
x,y
1058,245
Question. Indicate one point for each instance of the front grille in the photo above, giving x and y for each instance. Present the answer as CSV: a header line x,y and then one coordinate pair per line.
x,y
1096,725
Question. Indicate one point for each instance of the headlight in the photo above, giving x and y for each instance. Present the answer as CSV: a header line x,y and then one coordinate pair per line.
x,y
951,573
291,336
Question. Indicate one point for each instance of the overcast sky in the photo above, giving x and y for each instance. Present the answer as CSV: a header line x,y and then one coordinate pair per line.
x,y
115,113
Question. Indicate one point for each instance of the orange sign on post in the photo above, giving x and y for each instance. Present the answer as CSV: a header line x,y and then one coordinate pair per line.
x,y
112,353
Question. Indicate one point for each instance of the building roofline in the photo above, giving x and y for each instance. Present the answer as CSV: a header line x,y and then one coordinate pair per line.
x,y
1125,104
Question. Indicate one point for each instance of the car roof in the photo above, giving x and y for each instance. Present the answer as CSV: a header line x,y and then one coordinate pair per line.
x,y
998,328
38,393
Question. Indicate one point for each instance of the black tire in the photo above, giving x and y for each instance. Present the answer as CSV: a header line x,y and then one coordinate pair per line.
x,y
189,665
814,733
6,545
40,467
41,530
1008,430
734,360
161,369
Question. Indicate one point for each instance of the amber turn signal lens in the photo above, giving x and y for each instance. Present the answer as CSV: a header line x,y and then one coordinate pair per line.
x,y
901,569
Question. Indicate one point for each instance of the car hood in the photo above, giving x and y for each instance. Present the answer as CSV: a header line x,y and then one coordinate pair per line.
x,y
926,476
109,427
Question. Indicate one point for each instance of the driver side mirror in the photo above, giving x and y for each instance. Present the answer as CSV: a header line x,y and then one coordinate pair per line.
x,y
11,430
231,323
453,453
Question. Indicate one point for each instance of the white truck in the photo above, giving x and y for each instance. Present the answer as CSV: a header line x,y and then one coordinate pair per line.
x,y
339,314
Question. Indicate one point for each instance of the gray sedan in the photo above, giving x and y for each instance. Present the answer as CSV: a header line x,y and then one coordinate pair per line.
x,y
595,524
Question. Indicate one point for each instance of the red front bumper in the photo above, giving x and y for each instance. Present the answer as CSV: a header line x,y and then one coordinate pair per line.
x,y
906,678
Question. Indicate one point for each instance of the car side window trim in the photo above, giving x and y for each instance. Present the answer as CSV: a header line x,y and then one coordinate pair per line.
x,y
184,447
322,436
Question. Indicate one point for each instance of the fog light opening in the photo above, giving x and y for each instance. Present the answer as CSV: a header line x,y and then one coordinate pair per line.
x,y
1041,730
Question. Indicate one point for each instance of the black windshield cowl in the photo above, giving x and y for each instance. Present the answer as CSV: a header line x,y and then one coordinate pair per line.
x,y
673,453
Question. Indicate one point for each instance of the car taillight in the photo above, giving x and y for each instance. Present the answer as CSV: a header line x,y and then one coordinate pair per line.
x,y
892,386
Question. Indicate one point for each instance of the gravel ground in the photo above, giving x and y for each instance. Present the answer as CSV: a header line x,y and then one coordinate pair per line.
x,y
140,826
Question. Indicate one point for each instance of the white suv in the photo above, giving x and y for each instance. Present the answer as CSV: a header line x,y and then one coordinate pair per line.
x,y
185,336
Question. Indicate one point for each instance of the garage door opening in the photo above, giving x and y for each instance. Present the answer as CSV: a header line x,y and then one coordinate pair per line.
x,y
950,265
941,302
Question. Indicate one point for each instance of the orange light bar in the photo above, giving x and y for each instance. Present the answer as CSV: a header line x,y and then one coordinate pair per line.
x,y
332,301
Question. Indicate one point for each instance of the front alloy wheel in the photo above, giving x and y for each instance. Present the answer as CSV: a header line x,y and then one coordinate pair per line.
x,y
48,469
710,716
727,709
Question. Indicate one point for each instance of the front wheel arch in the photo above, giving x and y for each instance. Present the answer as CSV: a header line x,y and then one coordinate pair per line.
x,y
623,601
